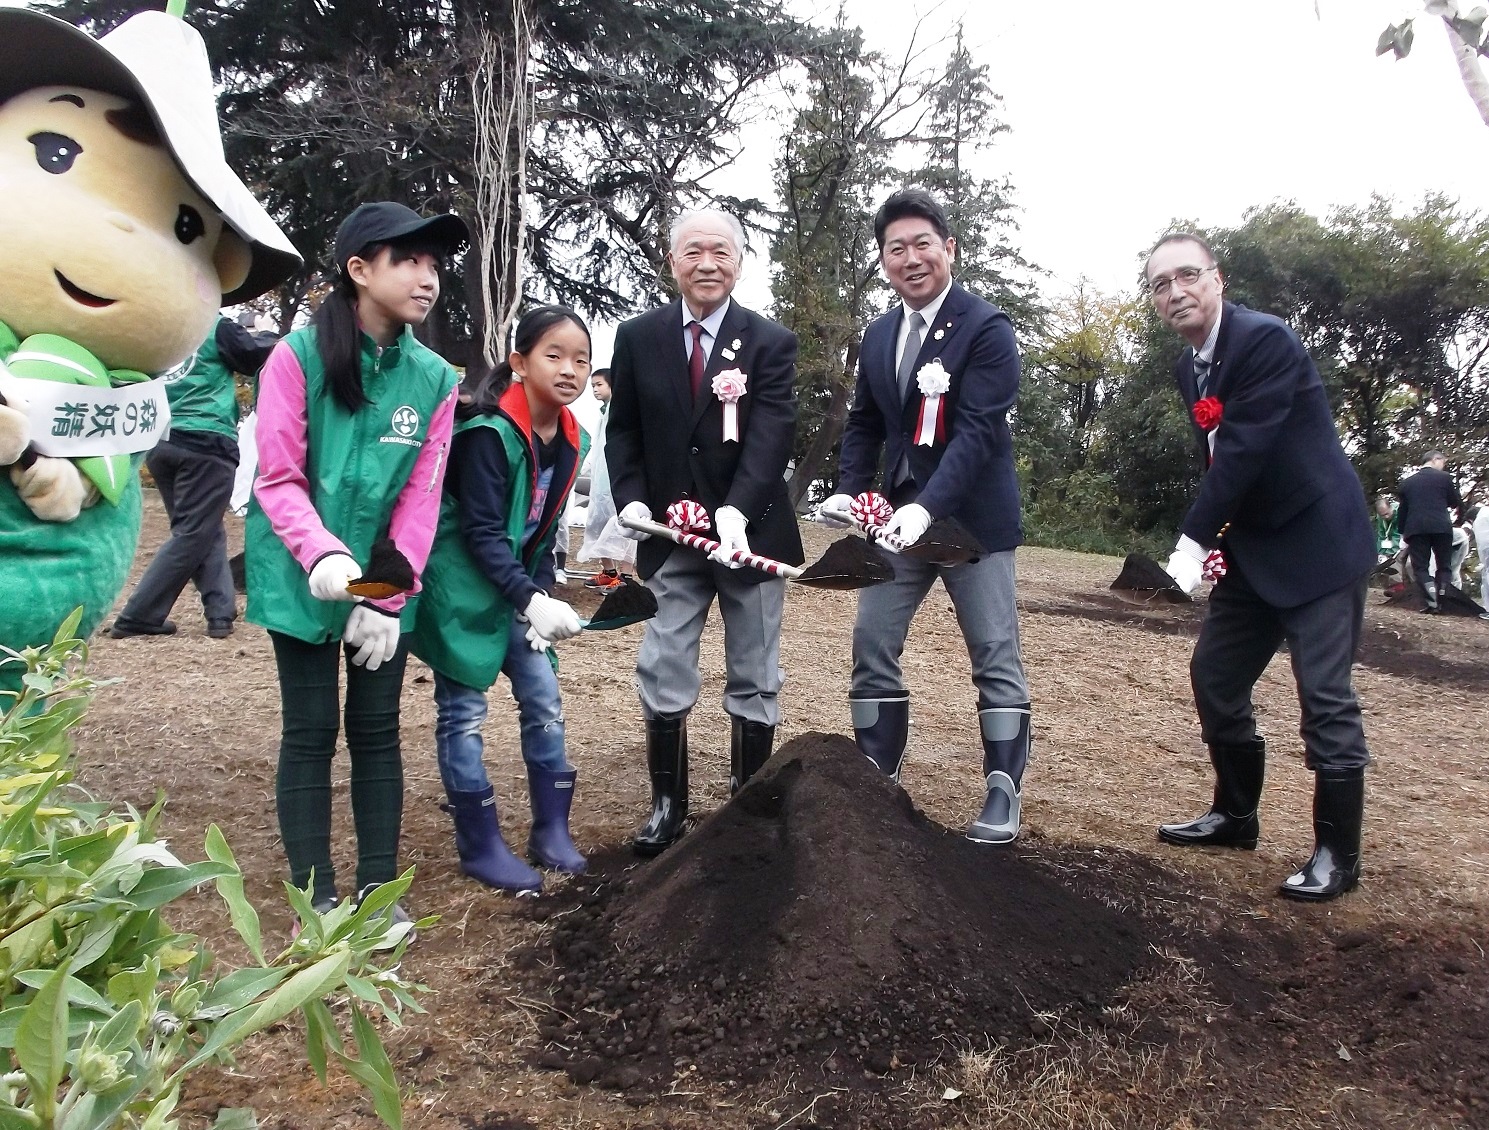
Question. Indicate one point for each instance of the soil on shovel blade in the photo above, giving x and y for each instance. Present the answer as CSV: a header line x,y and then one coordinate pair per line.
x,y
819,916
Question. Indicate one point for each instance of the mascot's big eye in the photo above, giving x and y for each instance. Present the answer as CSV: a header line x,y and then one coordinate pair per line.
x,y
55,152
189,224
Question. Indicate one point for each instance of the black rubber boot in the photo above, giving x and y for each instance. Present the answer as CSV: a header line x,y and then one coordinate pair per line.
x,y
750,745
549,844
1005,756
1338,811
484,855
1232,819
667,762
881,727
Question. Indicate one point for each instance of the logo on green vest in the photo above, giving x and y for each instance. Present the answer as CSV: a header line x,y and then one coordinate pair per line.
x,y
405,423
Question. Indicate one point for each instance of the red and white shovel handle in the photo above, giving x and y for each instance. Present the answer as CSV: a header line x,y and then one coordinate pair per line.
x,y
708,545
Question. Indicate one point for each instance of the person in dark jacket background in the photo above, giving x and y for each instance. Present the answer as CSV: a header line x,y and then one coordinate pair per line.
x,y
1425,499
194,467
1281,521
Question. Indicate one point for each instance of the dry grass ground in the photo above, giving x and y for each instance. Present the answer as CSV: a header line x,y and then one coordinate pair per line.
x,y
1117,751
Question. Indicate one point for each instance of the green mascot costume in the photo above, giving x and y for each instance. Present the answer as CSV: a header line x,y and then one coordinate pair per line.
x,y
124,230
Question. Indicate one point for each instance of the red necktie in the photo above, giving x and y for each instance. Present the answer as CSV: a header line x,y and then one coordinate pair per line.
x,y
696,359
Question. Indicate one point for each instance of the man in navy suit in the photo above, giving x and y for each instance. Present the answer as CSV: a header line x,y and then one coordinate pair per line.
x,y
668,440
1426,524
958,465
1281,510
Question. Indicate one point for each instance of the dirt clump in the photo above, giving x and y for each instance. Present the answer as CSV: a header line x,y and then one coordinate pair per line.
x,y
820,915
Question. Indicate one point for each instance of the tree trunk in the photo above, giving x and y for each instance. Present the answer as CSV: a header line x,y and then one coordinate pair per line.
x,y
828,435
1470,71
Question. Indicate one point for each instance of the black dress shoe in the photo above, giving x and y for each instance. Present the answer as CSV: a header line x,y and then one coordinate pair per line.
x,y
219,629
123,629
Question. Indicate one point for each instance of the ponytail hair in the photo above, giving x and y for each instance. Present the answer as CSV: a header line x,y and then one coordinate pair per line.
x,y
530,330
338,339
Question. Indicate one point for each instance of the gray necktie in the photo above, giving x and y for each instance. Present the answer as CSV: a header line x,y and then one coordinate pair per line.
x,y
1201,376
912,351
906,371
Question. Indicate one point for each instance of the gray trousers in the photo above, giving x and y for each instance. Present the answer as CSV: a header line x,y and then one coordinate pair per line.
x,y
1239,637
667,676
982,594
195,488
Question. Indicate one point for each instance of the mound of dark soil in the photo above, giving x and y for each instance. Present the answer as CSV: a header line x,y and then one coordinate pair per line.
x,y
820,914
1143,575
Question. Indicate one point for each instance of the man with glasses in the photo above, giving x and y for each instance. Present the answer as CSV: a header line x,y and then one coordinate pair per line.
x,y
1280,524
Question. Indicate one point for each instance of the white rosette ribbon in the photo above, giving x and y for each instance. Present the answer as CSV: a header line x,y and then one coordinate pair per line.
x,y
729,386
933,381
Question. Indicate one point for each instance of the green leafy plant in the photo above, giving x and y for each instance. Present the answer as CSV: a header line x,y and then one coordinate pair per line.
x,y
104,1009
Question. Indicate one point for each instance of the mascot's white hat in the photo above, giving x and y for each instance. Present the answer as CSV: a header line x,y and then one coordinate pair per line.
x,y
161,62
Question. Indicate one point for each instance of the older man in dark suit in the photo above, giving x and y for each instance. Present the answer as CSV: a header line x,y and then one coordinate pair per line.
x,y
672,436
937,376
1281,520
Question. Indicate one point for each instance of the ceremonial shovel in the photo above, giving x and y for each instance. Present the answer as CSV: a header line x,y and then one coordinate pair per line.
x,y
389,573
849,563
946,542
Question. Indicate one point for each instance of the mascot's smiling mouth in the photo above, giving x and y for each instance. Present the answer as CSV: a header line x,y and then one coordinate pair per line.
x,y
78,294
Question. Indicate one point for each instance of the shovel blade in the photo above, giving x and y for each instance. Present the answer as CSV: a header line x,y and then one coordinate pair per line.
x,y
946,543
849,563
625,604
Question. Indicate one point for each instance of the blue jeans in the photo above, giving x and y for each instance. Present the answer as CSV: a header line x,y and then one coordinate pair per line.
x,y
460,712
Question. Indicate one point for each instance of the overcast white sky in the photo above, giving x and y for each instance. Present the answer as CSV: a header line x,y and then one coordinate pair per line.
x,y
1127,114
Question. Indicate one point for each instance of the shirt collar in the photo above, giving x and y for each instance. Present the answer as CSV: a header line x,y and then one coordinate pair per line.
x,y
711,323
1206,352
928,311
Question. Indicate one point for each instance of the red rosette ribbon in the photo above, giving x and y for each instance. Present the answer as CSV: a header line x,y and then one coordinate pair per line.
x,y
1214,567
871,510
1207,413
688,517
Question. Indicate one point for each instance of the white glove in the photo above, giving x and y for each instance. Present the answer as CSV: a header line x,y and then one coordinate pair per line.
x,y
330,576
729,524
908,526
834,510
537,642
552,619
636,512
374,634
1186,564
53,489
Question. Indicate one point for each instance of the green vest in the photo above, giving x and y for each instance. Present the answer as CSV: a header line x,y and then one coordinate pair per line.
x,y
463,620
356,463
205,397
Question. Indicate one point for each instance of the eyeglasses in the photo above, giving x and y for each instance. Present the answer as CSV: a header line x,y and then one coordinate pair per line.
x,y
1184,276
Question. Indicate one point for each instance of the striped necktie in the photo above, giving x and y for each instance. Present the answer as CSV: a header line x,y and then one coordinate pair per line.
x,y
1201,376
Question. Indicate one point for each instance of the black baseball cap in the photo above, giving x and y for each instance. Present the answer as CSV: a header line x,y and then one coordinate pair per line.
x,y
387,222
